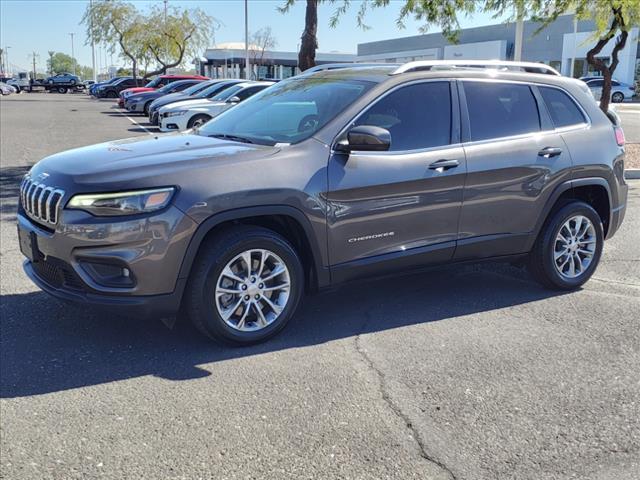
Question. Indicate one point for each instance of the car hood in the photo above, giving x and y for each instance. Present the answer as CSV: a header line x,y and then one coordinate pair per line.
x,y
141,162
186,104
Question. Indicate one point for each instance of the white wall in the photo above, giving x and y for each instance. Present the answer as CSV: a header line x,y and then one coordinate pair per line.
x,y
582,42
404,56
493,50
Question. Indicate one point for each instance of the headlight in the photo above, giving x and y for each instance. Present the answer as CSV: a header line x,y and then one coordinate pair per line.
x,y
175,114
122,203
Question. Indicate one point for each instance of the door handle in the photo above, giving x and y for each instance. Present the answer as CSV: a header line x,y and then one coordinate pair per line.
x,y
549,152
443,164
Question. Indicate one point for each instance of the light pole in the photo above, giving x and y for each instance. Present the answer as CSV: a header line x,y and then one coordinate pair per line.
x,y
73,56
246,39
93,46
6,57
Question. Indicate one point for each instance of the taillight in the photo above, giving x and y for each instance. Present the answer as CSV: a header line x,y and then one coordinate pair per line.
x,y
619,136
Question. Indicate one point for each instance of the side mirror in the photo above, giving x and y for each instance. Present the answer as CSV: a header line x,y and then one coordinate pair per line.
x,y
234,99
367,138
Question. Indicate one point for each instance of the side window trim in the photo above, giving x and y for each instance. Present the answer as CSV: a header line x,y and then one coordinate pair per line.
x,y
546,122
455,127
466,121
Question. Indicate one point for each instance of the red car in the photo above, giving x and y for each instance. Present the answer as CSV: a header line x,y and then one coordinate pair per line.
x,y
159,81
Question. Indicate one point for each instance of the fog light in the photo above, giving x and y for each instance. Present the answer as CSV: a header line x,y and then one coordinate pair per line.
x,y
108,274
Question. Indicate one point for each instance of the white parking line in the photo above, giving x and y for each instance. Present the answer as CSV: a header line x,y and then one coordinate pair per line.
x,y
136,123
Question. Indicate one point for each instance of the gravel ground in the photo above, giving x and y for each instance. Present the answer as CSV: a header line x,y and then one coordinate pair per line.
x,y
632,157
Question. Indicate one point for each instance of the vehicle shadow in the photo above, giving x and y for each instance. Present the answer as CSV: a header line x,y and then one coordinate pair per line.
x,y
46,346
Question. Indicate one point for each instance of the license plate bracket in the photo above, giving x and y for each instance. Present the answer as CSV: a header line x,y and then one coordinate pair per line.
x,y
29,245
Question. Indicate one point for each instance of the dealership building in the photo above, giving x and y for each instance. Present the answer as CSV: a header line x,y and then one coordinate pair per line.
x,y
227,60
555,45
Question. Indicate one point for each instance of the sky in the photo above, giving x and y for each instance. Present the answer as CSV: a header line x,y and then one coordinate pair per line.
x,y
28,26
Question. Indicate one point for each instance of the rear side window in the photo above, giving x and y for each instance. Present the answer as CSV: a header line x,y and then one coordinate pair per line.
x,y
500,110
417,116
563,110
247,92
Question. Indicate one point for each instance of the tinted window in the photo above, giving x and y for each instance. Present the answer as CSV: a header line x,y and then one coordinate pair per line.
x,y
417,116
595,83
563,110
247,92
500,110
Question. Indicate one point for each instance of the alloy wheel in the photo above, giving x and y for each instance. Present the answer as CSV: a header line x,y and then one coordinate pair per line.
x,y
574,247
252,290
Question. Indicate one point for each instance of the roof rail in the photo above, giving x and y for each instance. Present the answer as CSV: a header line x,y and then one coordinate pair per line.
x,y
529,67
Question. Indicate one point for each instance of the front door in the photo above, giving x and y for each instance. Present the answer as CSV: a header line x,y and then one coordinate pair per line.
x,y
387,207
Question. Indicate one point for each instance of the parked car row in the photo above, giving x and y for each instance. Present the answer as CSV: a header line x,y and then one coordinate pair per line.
x,y
6,89
178,102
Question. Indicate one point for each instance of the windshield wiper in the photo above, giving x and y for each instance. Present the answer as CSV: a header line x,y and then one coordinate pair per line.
x,y
234,138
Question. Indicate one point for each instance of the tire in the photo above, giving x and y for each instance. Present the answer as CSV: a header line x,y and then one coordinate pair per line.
x,y
244,325
146,108
198,120
111,94
62,89
542,263
72,81
617,97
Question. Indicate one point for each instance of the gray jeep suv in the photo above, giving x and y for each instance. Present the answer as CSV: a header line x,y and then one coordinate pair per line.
x,y
324,178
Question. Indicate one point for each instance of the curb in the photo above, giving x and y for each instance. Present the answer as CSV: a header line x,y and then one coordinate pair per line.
x,y
632,174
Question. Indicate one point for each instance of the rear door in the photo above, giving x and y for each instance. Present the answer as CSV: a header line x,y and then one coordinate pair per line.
x,y
514,160
387,207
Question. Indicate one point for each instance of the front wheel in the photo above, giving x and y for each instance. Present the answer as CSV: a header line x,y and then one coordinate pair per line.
x,y
617,97
72,81
568,248
112,94
198,120
62,90
245,285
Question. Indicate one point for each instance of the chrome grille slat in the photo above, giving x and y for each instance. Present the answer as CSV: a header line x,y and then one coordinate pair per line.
x,y
41,202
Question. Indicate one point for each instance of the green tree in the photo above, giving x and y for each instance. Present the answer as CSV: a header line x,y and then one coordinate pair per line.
x,y
180,35
613,18
59,62
116,22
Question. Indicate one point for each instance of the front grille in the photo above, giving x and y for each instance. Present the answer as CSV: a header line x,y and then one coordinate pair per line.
x,y
42,203
57,273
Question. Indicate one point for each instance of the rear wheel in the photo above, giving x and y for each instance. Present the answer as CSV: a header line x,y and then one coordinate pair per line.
x,y
72,82
568,248
198,120
112,94
62,89
617,97
245,285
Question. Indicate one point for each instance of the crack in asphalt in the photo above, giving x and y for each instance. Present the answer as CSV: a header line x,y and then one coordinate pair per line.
x,y
397,411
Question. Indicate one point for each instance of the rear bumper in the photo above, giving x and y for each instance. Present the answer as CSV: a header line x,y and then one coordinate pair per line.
x,y
165,305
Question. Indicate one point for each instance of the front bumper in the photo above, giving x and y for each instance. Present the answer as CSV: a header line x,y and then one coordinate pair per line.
x,y
149,247
147,306
174,124
137,107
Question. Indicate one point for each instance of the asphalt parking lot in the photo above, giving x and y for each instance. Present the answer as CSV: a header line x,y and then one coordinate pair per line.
x,y
471,372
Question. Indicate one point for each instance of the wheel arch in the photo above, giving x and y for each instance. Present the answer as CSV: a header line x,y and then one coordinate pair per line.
x,y
592,190
287,221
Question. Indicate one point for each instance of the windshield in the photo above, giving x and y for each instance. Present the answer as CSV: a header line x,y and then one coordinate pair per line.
x,y
287,112
198,87
153,83
226,93
214,89
167,88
